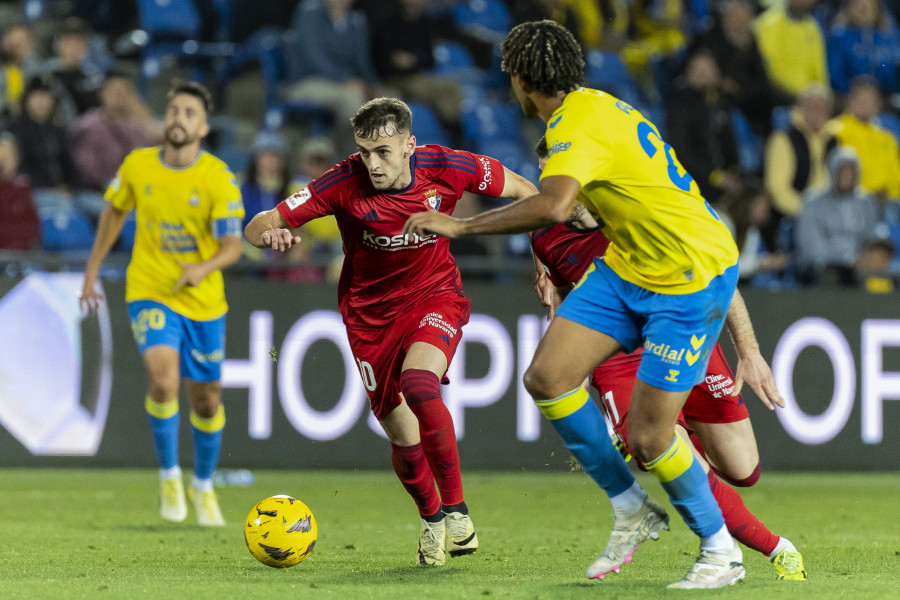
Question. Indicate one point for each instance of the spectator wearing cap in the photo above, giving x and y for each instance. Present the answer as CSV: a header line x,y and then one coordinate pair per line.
x,y
45,150
836,223
78,78
20,228
267,178
103,136
878,151
321,236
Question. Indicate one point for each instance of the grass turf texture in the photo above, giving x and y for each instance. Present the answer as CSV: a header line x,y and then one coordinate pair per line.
x,y
97,534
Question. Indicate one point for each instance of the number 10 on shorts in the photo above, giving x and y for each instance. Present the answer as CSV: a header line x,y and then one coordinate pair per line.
x,y
367,374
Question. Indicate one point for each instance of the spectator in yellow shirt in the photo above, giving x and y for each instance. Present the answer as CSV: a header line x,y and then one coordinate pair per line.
x,y
792,46
878,150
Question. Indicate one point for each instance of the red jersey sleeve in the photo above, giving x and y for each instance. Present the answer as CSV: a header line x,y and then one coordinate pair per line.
x,y
475,173
320,197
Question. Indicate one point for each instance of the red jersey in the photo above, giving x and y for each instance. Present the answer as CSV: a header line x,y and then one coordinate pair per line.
x,y
385,272
567,252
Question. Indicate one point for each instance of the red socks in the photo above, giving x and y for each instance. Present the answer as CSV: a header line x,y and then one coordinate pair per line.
x,y
415,475
422,391
742,524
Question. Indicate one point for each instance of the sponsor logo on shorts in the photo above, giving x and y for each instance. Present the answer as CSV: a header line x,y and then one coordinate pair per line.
x,y
445,338
720,386
437,320
673,356
672,376
215,356
401,241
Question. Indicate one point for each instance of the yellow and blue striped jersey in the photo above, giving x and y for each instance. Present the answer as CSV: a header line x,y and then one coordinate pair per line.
x,y
181,213
663,235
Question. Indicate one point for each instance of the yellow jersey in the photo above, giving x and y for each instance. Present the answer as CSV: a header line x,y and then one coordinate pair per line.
x,y
663,235
180,213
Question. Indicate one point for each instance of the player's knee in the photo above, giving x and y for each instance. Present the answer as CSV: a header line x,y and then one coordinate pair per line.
x,y
205,399
537,384
738,481
418,386
645,444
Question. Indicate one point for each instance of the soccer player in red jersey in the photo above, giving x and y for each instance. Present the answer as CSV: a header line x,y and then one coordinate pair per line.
x,y
714,417
400,296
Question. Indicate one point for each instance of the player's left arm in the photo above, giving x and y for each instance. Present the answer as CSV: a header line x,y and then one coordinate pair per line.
x,y
515,186
225,227
751,367
229,252
551,205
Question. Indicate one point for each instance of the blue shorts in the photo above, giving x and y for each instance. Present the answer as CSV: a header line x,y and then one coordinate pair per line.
x,y
201,344
677,331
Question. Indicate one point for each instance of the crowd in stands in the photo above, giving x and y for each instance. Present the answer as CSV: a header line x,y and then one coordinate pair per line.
x,y
785,112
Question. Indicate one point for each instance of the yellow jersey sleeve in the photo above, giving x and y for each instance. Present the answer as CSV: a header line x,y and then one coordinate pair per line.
x,y
663,235
227,206
119,192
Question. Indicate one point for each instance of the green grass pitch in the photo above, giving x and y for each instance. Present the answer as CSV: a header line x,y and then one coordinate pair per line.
x,y
96,534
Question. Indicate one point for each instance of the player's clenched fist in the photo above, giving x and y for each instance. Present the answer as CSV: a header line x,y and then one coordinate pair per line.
x,y
429,221
279,239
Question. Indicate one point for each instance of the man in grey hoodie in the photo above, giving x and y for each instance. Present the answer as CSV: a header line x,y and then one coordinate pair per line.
x,y
836,223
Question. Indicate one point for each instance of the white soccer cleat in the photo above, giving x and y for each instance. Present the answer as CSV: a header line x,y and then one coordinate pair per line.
x,y
431,544
461,538
713,570
628,533
207,507
172,505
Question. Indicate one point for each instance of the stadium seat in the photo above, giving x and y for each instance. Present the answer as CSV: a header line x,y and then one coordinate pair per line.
x,y
426,126
606,71
492,120
452,59
66,231
490,18
268,48
750,147
172,28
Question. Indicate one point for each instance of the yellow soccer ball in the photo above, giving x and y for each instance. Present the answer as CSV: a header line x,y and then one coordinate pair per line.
x,y
280,531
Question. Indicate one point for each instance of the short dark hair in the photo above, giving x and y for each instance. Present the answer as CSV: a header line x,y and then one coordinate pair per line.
x,y
541,148
375,116
192,88
545,55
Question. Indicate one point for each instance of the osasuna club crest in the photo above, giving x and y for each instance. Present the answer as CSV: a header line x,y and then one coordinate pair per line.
x,y
432,200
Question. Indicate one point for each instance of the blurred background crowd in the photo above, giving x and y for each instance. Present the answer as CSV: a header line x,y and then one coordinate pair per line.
x,y
785,112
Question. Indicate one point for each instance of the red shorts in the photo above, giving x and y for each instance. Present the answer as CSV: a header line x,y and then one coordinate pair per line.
x,y
709,401
380,353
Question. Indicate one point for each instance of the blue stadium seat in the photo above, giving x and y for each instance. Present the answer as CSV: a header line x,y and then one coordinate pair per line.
x,y
606,71
66,231
452,59
750,147
268,47
426,126
488,17
172,28
492,120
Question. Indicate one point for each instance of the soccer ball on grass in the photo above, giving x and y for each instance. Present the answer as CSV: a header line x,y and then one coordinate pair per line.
x,y
280,531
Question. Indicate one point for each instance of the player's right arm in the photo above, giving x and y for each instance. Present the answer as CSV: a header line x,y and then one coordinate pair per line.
x,y
268,229
109,226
